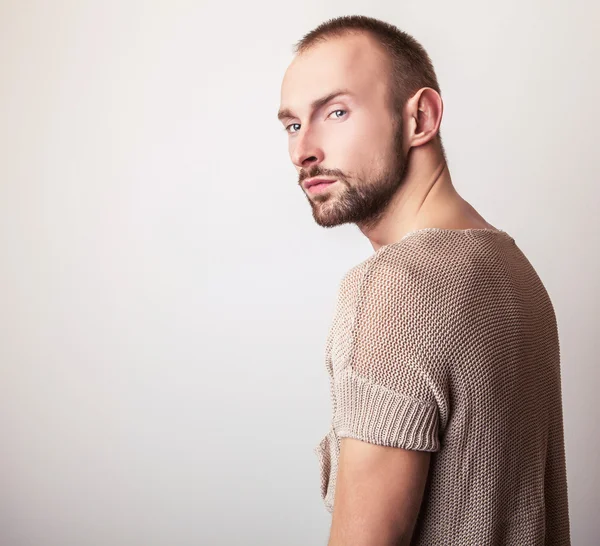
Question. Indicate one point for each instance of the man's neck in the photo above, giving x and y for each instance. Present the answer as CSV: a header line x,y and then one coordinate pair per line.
x,y
427,196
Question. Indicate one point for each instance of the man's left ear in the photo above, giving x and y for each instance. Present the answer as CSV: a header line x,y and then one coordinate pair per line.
x,y
425,109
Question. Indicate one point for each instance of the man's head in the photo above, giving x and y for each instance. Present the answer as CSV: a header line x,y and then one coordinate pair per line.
x,y
356,137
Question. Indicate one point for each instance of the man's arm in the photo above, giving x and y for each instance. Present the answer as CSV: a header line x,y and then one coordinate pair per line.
x,y
378,494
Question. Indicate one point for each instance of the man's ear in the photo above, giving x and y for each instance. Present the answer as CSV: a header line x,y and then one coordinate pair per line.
x,y
424,112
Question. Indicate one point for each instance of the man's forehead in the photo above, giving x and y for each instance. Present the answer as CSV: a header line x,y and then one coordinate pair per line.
x,y
352,62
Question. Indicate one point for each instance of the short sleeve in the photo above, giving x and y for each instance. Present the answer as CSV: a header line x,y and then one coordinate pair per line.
x,y
385,392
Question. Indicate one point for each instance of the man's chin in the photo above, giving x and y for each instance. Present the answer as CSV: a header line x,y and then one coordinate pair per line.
x,y
326,216
328,222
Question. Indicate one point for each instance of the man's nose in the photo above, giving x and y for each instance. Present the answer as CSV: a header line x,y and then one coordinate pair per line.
x,y
306,152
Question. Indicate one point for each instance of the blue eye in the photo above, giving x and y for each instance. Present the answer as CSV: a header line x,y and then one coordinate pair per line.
x,y
339,110
286,128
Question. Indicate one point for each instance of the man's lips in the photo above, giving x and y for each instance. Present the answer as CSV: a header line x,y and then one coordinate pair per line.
x,y
315,185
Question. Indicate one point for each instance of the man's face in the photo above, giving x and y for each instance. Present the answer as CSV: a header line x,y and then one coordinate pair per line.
x,y
351,138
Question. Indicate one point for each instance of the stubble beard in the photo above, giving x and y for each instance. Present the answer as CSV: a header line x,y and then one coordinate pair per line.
x,y
362,202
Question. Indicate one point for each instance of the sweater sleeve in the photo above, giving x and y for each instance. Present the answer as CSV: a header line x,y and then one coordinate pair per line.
x,y
388,392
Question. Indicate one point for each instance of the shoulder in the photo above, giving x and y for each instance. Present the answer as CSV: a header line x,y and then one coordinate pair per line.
x,y
433,273
404,268
440,255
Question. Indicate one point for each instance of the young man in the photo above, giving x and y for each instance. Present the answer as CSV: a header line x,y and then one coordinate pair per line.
x,y
443,354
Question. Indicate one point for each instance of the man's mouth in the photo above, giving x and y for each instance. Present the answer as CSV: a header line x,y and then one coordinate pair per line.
x,y
319,185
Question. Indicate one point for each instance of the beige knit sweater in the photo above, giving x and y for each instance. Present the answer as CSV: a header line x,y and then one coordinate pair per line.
x,y
446,341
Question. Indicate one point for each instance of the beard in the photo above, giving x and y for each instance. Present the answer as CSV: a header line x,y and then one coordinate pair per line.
x,y
365,200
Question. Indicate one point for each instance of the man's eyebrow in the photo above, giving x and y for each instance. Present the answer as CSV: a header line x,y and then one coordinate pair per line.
x,y
316,104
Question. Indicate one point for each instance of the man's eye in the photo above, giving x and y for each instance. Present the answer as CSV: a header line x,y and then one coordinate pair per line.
x,y
287,129
345,111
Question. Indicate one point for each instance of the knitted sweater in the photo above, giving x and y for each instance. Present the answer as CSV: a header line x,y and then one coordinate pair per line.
x,y
446,341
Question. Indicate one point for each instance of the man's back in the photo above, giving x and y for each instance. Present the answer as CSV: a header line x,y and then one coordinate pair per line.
x,y
446,341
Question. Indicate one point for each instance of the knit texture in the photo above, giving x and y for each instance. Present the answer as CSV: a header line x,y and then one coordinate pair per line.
x,y
446,341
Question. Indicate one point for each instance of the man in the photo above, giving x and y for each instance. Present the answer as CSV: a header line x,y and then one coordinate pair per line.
x,y
443,354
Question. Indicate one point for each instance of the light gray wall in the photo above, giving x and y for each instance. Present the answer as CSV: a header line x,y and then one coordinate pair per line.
x,y
165,293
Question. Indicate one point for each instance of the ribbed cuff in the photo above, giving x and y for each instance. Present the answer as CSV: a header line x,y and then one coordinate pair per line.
x,y
373,413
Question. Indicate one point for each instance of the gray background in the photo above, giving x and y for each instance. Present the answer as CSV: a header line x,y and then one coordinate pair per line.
x,y
165,294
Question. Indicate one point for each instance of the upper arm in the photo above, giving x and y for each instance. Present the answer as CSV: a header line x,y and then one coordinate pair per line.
x,y
378,494
388,392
